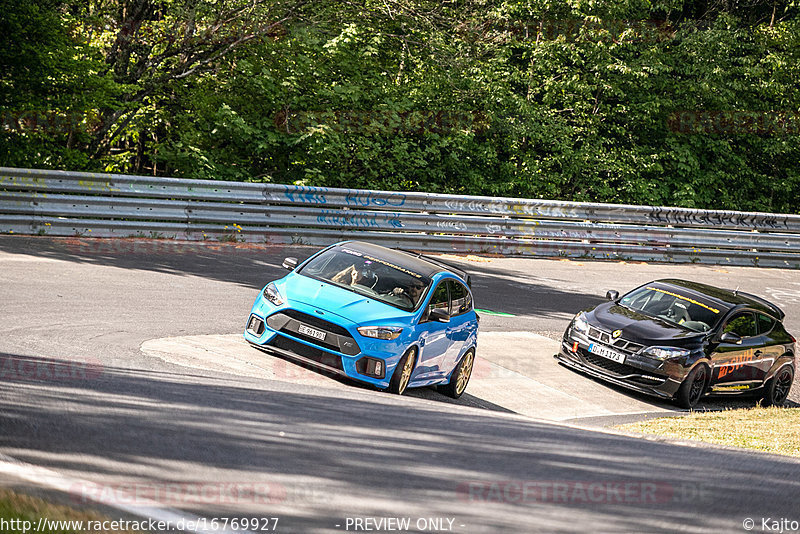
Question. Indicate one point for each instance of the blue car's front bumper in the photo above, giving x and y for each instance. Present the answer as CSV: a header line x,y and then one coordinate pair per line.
x,y
289,330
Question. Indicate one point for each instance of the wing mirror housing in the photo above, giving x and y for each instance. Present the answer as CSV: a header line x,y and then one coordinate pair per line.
x,y
612,295
439,315
289,263
730,337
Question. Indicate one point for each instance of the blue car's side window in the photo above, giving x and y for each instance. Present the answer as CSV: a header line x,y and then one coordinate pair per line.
x,y
440,299
460,299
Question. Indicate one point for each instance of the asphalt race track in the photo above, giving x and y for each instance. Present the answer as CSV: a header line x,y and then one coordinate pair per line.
x,y
83,396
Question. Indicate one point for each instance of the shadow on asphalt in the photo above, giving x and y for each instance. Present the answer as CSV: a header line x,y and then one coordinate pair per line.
x,y
428,392
254,265
383,455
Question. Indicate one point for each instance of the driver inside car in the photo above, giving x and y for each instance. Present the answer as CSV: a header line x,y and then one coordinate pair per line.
x,y
412,292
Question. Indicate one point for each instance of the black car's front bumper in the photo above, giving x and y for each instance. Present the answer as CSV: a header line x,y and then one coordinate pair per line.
x,y
637,373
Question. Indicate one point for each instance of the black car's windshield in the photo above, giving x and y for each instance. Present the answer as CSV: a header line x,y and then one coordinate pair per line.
x,y
672,306
369,276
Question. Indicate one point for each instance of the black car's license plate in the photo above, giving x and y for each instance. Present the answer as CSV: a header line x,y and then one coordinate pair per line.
x,y
605,352
316,334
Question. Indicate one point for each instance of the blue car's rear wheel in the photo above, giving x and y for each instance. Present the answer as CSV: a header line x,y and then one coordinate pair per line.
x,y
402,373
460,377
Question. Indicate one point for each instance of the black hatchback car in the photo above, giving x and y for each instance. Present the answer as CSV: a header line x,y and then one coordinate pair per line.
x,y
682,340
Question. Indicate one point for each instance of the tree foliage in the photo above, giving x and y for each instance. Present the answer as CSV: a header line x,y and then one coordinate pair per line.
x,y
650,102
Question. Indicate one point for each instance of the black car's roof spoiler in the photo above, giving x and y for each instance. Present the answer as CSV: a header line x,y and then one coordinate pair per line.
x,y
768,304
436,261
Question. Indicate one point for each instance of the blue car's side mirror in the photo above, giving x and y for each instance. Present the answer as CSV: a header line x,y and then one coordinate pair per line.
x,y
439,315
290,263
612,295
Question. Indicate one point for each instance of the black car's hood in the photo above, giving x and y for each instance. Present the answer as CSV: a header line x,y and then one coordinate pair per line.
x,y
641,328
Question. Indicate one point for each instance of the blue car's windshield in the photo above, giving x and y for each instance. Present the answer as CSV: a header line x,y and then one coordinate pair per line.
x,y
369,276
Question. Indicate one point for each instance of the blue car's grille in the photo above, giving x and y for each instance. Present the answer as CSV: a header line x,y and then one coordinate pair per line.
x,y
336,337
318,322
310,353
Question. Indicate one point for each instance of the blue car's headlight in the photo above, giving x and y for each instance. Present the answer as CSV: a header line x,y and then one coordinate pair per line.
x,y
271,294
580,325
663,353
380,332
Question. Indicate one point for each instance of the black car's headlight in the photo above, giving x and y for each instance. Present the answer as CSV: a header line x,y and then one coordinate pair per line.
x,y
580,325
271,294
664,353
380,332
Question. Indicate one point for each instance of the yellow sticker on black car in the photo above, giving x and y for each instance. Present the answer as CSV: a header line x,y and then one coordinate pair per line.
x,y
687,299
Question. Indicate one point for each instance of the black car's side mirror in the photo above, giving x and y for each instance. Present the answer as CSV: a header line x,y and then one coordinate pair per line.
x,y
730,337
439,315
290,263
612,295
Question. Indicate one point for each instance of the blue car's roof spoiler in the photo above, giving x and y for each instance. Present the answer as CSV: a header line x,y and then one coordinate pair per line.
x,y
446,265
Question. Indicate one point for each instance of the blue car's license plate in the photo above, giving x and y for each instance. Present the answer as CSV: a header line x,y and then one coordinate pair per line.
x,y
316,334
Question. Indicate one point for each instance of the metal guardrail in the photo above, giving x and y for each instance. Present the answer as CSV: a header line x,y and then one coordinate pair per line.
x,y
110,205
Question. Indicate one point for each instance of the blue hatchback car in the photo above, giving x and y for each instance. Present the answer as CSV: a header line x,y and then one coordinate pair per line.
x,y
386,317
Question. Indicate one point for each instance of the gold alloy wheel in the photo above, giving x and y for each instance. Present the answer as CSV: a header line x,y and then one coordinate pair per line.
x,y
466,371
407,369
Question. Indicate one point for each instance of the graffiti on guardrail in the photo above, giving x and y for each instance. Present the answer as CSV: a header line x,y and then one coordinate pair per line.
x,y
305,194
451,225
357,220
477,206
33,202
524,209
716,218
369,198
492,229
543,210
356,198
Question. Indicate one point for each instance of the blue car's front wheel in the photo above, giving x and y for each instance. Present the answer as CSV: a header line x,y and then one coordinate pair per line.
x,y
402,373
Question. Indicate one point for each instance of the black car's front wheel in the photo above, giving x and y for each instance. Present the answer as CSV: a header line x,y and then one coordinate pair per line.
x,y
460,378
777,389
402,373
693,387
